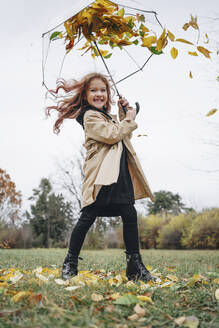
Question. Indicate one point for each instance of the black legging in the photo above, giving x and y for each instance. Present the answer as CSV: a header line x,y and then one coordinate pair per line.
x,y
130,230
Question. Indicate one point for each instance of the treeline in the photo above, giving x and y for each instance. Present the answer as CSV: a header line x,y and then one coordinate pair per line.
x,y
166,222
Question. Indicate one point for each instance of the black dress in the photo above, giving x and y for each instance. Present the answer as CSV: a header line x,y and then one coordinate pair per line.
x,y
111,198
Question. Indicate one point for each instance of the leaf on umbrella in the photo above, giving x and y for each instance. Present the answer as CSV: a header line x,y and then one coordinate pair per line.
x,y
174,52
147,42
155,51
121,12
127,300
190,75
184,41
55,35
192,53
108,56
212,112
136,42
171,36
162,40
204,51
97,297
144,28
140,18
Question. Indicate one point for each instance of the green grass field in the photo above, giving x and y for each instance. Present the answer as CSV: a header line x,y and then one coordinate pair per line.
x,y
187,285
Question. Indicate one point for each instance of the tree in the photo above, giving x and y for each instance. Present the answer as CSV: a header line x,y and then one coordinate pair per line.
x,y
166,202
50,216
10,199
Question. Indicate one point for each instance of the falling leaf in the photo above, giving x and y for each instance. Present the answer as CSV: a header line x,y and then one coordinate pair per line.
x,y
190,75
171,36
20,296
217,294
139,310
162,41
192,53
174,53
184,41
211,112
207,38
142,135
204,51
97,297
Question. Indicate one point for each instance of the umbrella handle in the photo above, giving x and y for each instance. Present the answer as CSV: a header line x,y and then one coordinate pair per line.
x,y
137,108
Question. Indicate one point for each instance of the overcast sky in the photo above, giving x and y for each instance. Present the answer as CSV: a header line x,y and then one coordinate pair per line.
x,y
179,153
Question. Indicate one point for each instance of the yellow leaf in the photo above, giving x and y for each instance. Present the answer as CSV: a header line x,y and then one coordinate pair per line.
x,y
145,298
174,53
180,321
212,112
207,38
162,41
190,75
139,310
191,322
192,53
172,277
186,26
149,267
62,282
204,51
96,297
171,35
147,42
71,288
184,41
144,28
217,294
216,281
193,22
121,12
21,295
115,296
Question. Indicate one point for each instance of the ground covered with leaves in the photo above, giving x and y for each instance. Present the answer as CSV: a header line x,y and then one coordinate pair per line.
x,y
32,293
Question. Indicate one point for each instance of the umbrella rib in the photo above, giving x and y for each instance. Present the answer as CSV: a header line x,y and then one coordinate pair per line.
x,y
141,69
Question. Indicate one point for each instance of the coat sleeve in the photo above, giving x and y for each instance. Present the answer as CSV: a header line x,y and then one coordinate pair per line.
x,y
122,117
97,128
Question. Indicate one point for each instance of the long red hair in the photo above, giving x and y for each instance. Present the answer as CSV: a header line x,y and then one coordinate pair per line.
x,y
72,105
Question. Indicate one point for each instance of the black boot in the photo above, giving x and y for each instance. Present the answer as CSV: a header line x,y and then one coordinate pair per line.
x,y
136,269
70,266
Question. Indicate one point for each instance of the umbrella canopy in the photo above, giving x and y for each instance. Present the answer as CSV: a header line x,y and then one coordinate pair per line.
x,y
122,52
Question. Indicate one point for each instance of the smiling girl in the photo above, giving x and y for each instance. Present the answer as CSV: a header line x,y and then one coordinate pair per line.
x,y
113,177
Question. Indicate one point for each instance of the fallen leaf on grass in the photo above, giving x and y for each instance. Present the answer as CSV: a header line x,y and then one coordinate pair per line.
x,y
16,278
110,308
127,300
62,282
145,298
139,310
21,295
190,321
96,297
216,281
217,294
133,317
70,288
41,277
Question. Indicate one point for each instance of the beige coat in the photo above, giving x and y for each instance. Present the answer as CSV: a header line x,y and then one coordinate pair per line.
x,y
103,143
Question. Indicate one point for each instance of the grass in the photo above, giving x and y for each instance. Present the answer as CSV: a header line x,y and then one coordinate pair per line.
x,y
50,305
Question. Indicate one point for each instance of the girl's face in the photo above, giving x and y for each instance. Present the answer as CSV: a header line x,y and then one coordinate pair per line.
x,y
97,93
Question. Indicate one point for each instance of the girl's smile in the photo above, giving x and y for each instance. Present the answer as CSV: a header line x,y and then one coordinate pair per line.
x,y
97,93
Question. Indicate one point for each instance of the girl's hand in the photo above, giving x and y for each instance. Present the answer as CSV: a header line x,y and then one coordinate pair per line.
x,y
131,112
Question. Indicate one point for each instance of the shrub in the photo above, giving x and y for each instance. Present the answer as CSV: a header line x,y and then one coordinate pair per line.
x,y
204,232
149,228
172,234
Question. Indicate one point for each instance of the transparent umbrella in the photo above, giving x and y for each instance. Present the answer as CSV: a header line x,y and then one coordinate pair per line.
x,y
113,38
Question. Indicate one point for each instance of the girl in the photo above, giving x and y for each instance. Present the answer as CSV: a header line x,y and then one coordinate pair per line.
x,y
113,177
